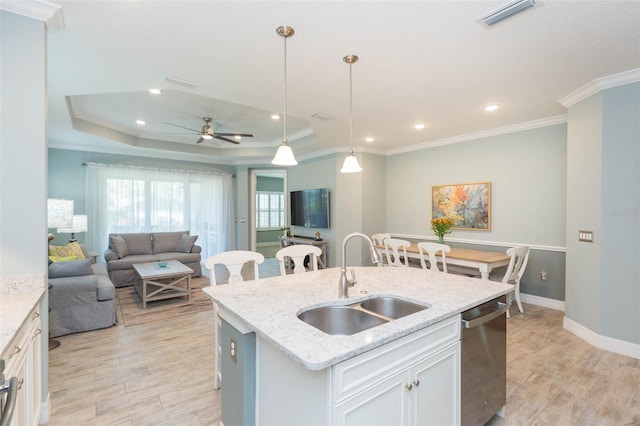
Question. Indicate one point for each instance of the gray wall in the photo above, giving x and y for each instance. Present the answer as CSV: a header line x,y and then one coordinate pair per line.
x,y
603,277
319,173
23,152
527,171
23,158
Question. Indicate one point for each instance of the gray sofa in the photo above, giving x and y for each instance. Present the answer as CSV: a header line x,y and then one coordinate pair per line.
x,y
125,250
81,297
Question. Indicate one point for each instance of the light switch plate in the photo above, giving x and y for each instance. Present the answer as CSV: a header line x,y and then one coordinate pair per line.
x,y
586,236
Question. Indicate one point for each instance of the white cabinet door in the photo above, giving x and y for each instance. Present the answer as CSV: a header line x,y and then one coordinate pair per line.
x,y
436,388
383,404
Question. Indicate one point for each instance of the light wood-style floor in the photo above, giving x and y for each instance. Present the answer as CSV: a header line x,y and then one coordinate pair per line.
x,y
162,374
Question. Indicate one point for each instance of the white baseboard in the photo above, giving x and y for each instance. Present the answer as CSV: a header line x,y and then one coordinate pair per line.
x,y
558,305
603,342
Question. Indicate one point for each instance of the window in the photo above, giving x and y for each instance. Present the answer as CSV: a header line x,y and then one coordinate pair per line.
x,y
123,199
269,210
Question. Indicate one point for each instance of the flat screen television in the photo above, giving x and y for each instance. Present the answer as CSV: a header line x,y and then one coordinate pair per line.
x,y
310,208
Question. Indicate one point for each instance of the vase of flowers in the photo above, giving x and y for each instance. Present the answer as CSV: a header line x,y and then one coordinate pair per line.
x,y
441,226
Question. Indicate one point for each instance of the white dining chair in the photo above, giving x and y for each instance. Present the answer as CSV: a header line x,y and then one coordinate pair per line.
x,y
233,261
515,271
431,250
393,247
296,254
378,240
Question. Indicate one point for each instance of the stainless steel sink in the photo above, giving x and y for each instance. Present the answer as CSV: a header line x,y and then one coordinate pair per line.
x,y
345,320
340,320
391,307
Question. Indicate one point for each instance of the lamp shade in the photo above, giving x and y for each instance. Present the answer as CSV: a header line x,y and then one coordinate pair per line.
x,y
80,224
350,164
284,156
59,213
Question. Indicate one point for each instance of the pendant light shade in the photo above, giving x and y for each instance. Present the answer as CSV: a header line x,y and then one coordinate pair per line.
x,y
284,155
350,164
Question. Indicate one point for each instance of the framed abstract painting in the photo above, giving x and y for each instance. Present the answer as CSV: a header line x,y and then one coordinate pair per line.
x,y
468,204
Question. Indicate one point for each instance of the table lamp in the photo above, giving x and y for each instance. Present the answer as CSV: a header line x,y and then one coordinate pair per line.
x,y
79,225
59,213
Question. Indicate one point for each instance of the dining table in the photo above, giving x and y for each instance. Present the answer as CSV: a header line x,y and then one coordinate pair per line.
x,y
482,260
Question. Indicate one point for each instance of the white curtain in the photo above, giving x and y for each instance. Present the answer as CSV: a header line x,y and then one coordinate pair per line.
x,y
135,199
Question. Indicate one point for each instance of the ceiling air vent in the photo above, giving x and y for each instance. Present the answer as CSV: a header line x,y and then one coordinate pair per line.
x,y
181,81
322,116
508,11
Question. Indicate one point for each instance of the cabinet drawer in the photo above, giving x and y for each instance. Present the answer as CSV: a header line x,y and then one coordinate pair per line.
x,y
374,366
16,350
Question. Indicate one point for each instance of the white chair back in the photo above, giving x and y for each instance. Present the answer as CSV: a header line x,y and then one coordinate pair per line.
x,y
296,253
515,271
431,250
396,250
234,261
378,240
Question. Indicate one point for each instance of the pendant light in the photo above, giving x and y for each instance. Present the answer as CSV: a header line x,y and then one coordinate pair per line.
x,y
284,155
350,164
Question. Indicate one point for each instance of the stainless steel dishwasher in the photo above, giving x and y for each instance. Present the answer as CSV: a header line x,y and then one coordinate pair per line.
x,y
484,362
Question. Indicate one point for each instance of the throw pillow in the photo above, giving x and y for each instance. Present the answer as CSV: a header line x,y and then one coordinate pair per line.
x,y
72,268
186,243
71,249
62,258
119,245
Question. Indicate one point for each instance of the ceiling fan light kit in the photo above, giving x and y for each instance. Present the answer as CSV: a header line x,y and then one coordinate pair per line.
x,y
350,164
207,132
284,156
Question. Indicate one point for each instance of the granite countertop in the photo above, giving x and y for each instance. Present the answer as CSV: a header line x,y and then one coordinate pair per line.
x,y
18,296
270,307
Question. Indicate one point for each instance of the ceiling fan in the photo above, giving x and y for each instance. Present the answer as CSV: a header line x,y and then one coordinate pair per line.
x,y
207,132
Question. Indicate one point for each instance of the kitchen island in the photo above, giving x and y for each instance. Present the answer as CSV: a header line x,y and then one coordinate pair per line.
x,y
305,376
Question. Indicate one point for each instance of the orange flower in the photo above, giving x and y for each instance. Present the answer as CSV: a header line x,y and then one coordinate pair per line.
x,y
442,225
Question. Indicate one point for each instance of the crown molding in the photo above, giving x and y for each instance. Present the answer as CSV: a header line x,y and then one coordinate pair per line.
x,y
599,84
49,13
528,125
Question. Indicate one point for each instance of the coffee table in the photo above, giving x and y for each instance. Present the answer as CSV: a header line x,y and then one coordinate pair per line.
x,y
159,283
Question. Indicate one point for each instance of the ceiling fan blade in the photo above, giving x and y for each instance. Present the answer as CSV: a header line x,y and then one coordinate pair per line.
x,y
200,140
222,138
246,135
177,125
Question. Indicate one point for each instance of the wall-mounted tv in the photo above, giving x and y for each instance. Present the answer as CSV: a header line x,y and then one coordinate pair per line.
x,y
310,208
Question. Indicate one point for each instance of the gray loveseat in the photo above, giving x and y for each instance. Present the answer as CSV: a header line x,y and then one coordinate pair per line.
x,y
81,297
125,250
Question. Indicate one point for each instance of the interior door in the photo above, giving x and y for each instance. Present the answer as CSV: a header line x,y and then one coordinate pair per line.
x,y
273,173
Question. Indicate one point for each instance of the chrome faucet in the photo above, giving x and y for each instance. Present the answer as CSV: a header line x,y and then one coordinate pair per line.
x,y
345,283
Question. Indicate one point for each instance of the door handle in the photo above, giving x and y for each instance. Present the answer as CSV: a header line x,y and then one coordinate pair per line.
x,y
502,308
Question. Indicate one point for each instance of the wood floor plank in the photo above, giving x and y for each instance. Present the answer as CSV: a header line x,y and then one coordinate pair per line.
x,y
161,373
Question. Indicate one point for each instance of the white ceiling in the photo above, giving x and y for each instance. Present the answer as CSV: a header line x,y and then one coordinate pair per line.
x,y
420,61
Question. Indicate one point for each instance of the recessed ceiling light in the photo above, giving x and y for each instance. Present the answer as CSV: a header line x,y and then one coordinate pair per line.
x,y
491,107
237,137
369,139
155,91
275,117
141,122
419,126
